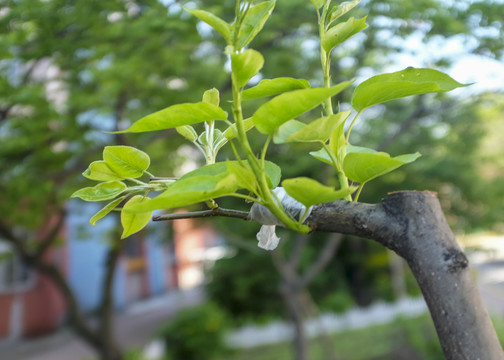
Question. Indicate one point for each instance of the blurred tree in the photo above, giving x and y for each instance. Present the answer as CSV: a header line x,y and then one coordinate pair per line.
x,y
69,71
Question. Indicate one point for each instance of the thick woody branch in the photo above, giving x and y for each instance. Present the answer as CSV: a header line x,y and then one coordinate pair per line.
x,y
413,225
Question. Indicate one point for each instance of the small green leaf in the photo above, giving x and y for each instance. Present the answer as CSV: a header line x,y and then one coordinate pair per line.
x,y
134,222
177,115
362,167
253,22
188,132
103,191
317,131
318,3
341,32
126,160
108,208
191,190
391,86
231,133
244,175
310,192
270,87
360,149
100,171
285,130
211,97
218,136
341,9
272,170
246,65
322,155
289,105
214,21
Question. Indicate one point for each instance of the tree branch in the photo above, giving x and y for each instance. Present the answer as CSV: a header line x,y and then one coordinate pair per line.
x,y
325,255
203,214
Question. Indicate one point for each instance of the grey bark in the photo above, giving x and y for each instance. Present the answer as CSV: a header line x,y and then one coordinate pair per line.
x,y
413,225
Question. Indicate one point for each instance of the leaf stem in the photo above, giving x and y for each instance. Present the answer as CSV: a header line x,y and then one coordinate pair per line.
x,y
351,126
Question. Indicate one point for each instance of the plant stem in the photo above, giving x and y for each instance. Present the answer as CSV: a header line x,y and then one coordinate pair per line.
x,y
325,58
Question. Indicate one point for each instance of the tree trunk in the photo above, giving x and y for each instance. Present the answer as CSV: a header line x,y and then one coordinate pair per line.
x,y
413,225
296,312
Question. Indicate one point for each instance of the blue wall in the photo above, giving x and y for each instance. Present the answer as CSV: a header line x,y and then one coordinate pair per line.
x,y
87,249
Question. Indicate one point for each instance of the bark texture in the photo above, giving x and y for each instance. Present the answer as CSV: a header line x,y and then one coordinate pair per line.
x,y
413,225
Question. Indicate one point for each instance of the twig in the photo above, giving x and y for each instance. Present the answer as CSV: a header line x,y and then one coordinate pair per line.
x,y
203,214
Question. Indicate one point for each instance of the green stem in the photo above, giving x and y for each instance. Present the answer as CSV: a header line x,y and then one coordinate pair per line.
x,y
351,126
358,192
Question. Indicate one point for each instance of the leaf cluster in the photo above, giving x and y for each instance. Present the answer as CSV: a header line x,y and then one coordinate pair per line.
x,y
285,99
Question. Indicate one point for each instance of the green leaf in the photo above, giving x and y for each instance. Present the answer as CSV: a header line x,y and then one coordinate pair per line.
x,y
244,175
188,132
100,171
270,87
108,208
289,105
103,191
318,3
191,190
218,137
362,167
285,130
310,192
134,222
214,21
360,149
231,133
317,131
341,32
211,97
177,115
253,22
126,160
322,155
272,170
391,86
246,65
341,9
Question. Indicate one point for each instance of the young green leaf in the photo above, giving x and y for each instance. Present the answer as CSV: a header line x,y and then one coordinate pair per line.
x,y
190,190
244,175
211,97
188,132
105,210
284,131
231,133
322,155
177,115
246,65
289,105
319,130
310,192
340,10
362,167
100,171
214,21
391,86
126,160
103,191
253,22
341,32
272,170
270,87
134,222
318,3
